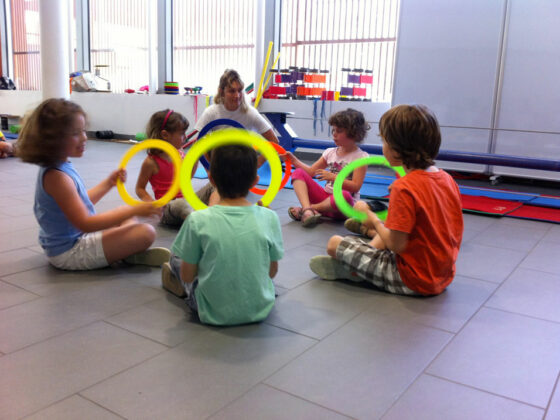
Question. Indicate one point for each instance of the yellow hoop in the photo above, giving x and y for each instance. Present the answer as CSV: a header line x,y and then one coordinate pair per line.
x,y
225,137
175,159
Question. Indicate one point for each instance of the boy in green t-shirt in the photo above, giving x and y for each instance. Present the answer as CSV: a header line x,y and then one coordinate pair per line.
x,y
226,255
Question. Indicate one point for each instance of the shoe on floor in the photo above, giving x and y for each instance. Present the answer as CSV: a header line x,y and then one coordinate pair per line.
x,y
153,257
310,220
170,282
328,268
355,226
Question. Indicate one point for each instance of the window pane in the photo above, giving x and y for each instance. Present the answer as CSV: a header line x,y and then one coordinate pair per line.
x,y
119,40
26,44
210,36
336,34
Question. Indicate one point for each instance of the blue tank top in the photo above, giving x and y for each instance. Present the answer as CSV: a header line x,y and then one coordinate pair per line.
x,y
56,233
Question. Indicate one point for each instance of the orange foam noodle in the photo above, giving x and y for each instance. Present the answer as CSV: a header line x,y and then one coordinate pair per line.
x,y
319,78
303,91
317,91
308,78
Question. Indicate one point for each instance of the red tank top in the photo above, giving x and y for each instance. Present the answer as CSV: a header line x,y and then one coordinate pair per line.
x,y
161,181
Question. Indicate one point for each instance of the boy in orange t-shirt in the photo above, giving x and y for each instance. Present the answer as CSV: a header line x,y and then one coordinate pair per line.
x,y
414,252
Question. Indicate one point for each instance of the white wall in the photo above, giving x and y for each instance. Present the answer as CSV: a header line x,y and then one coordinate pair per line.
x,y
449,57
489,70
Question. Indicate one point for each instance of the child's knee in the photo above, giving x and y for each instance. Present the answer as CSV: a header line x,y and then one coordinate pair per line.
x,y
333,243
298,174
146,234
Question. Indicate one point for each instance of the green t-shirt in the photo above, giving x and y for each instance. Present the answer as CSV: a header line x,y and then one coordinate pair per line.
x,y
233,248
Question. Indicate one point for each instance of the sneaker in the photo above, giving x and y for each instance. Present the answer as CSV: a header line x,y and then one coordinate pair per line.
x,y
355,226
170,282
328,268
153,257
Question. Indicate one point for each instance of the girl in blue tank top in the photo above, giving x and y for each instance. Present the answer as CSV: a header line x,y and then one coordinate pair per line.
x,y
72,234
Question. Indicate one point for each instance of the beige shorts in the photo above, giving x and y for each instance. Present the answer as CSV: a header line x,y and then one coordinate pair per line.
x,y
86,254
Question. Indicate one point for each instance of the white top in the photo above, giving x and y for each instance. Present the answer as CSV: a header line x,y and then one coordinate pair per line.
x,y
250,120
335,163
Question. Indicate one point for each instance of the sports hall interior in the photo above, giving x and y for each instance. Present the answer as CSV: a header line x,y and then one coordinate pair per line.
x,y
112,344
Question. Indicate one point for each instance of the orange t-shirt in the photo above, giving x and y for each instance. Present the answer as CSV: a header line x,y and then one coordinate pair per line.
x,y
427,206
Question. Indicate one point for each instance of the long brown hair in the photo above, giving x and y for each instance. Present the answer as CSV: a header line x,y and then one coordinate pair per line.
x,y
41,140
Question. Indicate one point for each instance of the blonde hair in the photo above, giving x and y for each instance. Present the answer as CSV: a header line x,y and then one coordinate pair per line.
x,y
41,140
229,77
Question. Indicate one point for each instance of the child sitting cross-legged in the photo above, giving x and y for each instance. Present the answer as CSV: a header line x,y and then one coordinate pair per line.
x,y
349,128
225,256
414,251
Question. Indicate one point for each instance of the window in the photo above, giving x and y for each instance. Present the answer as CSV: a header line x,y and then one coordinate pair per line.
x,y
26,44
342,34
119,40
210,36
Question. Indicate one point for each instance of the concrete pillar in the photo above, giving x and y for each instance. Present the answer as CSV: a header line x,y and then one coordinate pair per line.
x,y
53,15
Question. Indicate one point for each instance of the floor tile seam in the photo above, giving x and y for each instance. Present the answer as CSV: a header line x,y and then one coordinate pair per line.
x,y
555,389
153,340
456,334
521,314
52,337
317,342
20,303
19,287
443,378
122,311
299,397
157,354
64,399
291,331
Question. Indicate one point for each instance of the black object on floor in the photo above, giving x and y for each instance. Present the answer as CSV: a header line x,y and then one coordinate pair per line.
x,y
106,134
376,205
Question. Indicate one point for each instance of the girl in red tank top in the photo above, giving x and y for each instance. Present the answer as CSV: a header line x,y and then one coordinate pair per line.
x,y
157,169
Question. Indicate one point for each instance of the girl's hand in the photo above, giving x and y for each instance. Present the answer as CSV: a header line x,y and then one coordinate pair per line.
x,y
286,155
323,175
147,209
118,174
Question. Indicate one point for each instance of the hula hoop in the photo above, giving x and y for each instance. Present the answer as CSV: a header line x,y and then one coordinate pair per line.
x,y
210,126
287,174
225,137
175,159
341,203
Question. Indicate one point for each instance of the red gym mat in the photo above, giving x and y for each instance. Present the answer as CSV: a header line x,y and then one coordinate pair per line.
x,y
546,214
489,205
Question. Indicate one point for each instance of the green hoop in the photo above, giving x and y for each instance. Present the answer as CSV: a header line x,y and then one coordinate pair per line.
x,y
341,203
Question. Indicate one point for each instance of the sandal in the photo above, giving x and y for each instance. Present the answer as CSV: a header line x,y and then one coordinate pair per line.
x,y
310,220
355,226
295,213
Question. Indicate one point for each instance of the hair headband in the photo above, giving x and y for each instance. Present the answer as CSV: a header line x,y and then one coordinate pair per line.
x,y
165,119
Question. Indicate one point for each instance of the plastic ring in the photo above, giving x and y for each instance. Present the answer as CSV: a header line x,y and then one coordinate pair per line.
x,y
175,159
279,150
210,126
225,137
341,203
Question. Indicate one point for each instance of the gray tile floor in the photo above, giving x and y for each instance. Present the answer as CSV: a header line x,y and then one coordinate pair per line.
x,y
112,344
